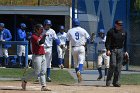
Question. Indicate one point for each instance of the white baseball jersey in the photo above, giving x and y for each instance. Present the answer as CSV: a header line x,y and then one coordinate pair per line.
x,y
100,43
62,38
78,36
49,39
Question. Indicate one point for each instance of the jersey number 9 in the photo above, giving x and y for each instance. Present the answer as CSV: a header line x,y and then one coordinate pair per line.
x,y
77,36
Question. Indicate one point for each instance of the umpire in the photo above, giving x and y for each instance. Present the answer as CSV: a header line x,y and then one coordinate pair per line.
x,y
116,46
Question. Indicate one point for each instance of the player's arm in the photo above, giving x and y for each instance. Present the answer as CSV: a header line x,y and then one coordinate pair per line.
x,y
42,40
9,36
108,43
57,41
20,35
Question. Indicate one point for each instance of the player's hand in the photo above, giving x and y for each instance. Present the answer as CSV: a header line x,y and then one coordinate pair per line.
x,y
61,46
108,53
45,35
125,59
126,54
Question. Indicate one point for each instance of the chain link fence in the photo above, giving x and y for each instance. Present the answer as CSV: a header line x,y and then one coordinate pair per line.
x,y
134,45
133,34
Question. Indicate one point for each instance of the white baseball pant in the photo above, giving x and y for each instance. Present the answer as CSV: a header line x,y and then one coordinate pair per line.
x,y
78,55
21,50
48,56
4,52
61,52
103,57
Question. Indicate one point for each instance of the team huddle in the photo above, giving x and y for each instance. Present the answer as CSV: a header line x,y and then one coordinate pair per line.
x,y
110,50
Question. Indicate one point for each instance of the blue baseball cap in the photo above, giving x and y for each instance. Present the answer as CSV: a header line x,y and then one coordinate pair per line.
x,y
23,25
62,27
102,31
48,22
2,24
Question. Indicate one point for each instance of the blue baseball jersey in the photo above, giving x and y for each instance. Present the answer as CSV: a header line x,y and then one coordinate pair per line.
x,y
21,35
5,35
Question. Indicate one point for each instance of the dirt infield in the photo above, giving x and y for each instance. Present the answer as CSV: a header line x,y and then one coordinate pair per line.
x,y
15,87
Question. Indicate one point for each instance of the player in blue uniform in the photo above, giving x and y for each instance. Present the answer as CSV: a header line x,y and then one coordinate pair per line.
x,y
78,38
101,51
48,45
21,36
62,47
5,35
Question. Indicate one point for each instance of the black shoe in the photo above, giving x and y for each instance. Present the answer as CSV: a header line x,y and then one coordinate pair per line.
x,y
108,83
99,78
48,79
117,85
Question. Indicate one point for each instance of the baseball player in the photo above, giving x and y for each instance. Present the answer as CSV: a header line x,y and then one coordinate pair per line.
x,y
39,60
62,47
102,57
78,37
48,45
21,36
5,35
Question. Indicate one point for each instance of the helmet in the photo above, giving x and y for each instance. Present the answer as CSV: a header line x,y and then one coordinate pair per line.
x,y
23,25
48,22
76,22
62,27
102,31
2,24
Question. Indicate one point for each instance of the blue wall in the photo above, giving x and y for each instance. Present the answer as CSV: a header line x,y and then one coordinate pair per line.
x,y
96,14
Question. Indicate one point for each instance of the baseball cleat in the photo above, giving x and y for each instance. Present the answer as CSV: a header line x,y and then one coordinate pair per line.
x,y
23,85
79,76
99,78
62,66
45,89
49,79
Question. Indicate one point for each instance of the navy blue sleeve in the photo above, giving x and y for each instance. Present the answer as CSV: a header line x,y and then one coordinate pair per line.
x,y
57,41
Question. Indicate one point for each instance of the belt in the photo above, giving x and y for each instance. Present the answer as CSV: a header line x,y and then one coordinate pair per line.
x,y
77,46
116,47
48,47
38,54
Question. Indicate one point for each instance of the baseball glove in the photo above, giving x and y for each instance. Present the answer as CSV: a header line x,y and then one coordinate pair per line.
x,y
125,59
61,46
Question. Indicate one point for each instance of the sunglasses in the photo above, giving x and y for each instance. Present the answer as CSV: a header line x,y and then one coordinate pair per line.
x,y
119,24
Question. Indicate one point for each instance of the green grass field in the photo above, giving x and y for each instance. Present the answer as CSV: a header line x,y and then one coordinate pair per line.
x,y
64,77
130,79
57,76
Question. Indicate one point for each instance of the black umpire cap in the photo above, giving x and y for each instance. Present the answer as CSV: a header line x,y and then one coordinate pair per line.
x,y
119,22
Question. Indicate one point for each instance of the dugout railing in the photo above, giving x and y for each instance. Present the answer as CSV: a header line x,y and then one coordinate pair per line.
x,y
19,43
